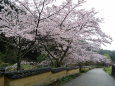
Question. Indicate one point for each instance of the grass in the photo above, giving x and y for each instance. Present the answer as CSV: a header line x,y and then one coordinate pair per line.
x,y
23,67
28,67
108,70
84,70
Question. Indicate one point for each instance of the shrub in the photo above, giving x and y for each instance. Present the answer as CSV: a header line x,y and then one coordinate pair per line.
x,y
108,69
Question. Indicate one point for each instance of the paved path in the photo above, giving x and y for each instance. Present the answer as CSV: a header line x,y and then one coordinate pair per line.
x,y
95,77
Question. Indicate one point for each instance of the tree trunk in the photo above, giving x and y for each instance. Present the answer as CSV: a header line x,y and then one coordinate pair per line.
x,y
80,67
18,64
57,64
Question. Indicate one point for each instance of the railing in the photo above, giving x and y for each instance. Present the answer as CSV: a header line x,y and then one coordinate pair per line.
x,y
113,69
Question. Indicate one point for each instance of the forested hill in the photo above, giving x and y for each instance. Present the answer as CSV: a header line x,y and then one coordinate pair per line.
x,y
110,53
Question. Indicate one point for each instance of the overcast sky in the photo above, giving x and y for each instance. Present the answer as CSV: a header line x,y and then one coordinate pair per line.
x,y
106,9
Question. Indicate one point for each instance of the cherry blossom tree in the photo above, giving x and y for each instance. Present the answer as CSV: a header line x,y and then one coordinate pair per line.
x,y
68,27
27,21
19,22
11,25
79,31
100,59
72,33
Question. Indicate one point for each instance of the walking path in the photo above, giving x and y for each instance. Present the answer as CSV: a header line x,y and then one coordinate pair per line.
x,y
95,77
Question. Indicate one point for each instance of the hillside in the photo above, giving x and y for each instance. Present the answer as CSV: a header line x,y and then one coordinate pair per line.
x,y
110,53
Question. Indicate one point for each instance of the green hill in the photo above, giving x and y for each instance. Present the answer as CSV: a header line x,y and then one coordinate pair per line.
x,y
110,53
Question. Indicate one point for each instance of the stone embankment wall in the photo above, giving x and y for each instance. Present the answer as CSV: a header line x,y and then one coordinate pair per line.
x,y
37,77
